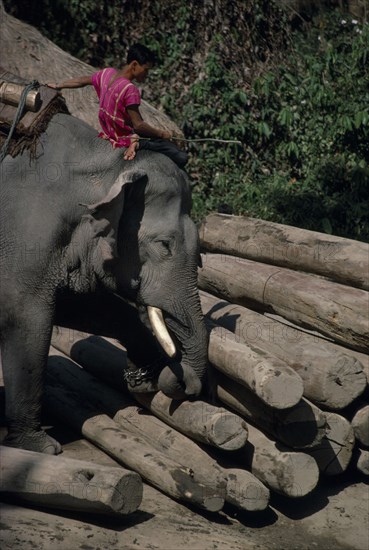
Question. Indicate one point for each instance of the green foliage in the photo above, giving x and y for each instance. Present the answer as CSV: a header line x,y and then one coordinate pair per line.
x,y
304,126
316,106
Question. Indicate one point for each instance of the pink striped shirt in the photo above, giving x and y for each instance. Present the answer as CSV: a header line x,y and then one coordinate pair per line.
x,y
115,122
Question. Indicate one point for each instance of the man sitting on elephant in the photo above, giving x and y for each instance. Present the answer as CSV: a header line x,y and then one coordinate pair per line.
x,y
119,114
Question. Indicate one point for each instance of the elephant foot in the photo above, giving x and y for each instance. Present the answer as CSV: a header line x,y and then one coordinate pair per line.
x,y
38,441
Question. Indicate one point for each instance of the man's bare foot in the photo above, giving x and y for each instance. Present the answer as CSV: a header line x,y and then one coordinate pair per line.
x,y
131,151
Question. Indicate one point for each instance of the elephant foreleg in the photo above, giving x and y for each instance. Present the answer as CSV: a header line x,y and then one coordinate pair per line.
x,y
24,348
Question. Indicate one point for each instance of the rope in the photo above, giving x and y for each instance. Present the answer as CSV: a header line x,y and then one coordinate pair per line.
x,y
18,116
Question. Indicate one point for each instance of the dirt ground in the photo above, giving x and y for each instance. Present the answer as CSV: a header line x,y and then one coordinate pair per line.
x,y
334,517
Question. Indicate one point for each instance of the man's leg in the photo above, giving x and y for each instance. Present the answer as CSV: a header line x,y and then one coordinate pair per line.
x,y
167,148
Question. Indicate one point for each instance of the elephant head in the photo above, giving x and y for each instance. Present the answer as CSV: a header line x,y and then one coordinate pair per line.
x,y
148,248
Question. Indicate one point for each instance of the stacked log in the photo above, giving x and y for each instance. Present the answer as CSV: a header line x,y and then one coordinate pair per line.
x,y
337,258
333,309
68,484
334,452
200,420
255,369
293,474
302,297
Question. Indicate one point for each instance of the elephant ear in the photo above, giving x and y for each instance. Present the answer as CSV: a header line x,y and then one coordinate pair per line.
x,y
104,216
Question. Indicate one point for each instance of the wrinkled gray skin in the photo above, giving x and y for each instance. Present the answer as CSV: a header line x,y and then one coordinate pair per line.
x,y
81,228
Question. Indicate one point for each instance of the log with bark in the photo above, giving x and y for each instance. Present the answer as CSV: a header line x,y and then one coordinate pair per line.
x,y
199,420
336,310
332,375
273,381
340,259
130,449
300,427
27,52
101,358
68,484
293,474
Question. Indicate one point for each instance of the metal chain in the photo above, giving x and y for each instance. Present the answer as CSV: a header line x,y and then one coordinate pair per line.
x,y
136,376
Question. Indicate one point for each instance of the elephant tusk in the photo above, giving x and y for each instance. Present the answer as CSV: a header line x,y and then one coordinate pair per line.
x,y
160,330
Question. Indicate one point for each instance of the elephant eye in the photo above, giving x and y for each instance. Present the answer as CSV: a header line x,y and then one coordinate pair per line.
x,y
166,246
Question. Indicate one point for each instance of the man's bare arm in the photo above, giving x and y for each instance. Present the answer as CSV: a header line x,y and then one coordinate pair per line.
x,y
144,129
78,82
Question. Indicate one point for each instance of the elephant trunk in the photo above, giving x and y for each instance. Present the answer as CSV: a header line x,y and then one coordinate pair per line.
x,y
185,379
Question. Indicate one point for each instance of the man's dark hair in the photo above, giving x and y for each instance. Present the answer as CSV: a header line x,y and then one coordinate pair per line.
x,y
139,52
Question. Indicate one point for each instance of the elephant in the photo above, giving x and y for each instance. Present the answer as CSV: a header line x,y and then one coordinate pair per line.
x,y
97,243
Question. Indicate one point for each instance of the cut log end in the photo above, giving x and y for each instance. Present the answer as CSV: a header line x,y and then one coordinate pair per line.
x,y
304,426
227,431
213,504
346,381
245,491
300,475
119,501
282,390
362,463
334,452
360,424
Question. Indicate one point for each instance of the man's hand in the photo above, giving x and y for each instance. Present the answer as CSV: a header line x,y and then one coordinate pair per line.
x,y
165,134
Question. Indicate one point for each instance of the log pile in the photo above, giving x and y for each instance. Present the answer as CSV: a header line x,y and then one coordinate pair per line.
x,y
287,315
303,298
287,401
